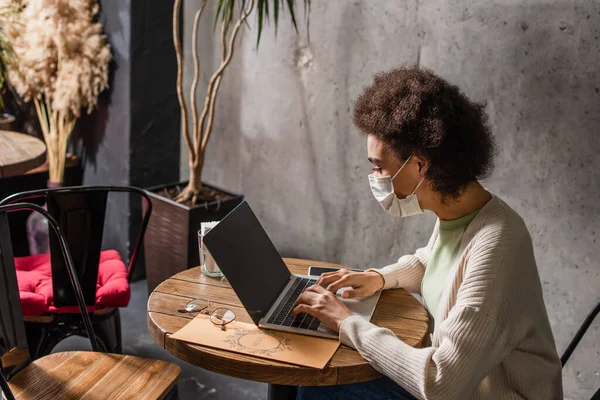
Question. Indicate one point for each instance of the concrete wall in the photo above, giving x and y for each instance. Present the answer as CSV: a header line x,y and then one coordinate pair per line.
x,y
283,136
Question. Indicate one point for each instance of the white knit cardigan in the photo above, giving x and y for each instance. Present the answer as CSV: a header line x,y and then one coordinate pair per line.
x,y
492,338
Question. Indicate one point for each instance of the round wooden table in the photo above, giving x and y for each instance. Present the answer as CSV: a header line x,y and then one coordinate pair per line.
x,y
19,153
396,310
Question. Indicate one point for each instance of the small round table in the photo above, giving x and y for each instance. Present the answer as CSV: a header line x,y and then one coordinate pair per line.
x,y
19,153
396,310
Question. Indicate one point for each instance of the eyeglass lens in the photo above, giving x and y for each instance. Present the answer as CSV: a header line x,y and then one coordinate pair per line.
x,y
222,317
196,305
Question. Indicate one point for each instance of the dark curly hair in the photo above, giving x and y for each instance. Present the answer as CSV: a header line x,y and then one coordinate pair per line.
x,y
413,111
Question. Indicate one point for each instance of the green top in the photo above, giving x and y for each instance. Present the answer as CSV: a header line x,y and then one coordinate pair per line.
x,y
441,259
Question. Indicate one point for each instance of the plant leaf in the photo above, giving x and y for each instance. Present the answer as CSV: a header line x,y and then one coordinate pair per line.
x,y
260,10
230,12
226,9
307,7
219,8
292,15
276,14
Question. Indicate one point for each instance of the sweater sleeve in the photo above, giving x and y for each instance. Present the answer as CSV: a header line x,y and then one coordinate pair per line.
x,y
470,345
408,272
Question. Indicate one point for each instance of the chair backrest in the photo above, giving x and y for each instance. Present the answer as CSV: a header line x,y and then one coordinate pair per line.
x,y
577,338
80,212
579,335
14,353
4,389
13,341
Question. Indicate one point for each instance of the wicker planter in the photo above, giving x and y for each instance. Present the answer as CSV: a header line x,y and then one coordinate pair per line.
x,y
171,240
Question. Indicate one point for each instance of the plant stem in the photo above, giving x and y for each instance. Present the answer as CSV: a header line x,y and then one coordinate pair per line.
x,y
211,94
56,128
194,87
180,96
201,132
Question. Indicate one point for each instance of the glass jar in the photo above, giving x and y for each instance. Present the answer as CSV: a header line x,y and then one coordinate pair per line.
x,y
208,266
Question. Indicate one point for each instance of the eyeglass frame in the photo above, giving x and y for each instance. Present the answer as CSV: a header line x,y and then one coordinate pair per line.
x,y
211,314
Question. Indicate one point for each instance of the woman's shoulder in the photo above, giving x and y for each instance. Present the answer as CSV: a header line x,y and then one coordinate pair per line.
x,y
498,220
498,241
500,259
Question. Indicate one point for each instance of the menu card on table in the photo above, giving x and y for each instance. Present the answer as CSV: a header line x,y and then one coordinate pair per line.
x,y
244,338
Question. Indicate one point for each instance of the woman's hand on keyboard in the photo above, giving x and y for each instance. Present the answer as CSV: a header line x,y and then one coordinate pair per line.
x,y
323,305
363,284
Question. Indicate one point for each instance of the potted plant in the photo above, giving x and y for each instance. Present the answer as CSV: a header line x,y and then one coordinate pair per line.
x,y
186,204
61,64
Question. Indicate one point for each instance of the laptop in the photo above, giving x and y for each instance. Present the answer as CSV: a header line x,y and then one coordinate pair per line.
x,y
261,280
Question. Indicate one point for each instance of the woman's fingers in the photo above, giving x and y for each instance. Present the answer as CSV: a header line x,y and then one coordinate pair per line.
x,y
303,308
331,273
329,277
318,289
340,283
307,297
352,293
354,280
326,280
323,305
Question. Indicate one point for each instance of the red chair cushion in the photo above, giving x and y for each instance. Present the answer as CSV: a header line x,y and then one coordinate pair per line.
x,y
34,274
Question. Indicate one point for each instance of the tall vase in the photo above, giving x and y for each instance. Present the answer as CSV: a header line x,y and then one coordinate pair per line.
x,y
37,229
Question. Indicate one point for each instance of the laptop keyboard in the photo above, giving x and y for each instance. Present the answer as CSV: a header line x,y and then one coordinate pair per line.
x,y
283,313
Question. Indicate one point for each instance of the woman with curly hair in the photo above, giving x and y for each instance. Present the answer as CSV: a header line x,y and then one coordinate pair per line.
x,y
490,335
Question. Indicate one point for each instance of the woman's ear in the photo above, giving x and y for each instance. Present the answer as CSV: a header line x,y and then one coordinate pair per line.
x,y
422,163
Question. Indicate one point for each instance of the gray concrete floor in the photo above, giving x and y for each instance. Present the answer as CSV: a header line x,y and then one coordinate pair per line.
x,y
195,383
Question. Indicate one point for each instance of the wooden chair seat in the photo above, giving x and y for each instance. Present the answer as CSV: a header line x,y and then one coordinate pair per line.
x,y
89,375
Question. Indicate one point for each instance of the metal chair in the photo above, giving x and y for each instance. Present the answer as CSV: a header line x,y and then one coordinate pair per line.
x,y
577,338
69,374
80,212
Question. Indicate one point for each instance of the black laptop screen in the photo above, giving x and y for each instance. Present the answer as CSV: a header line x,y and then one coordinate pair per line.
x,y
248,259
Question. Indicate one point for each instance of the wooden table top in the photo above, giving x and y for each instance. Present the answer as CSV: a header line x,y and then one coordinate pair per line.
x,y
19,153
396,310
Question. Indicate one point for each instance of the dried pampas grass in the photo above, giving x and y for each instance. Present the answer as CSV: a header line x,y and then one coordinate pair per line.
x,y
62,61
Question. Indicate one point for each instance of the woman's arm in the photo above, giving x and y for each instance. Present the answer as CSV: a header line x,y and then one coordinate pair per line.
x,y
408,272
470,345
